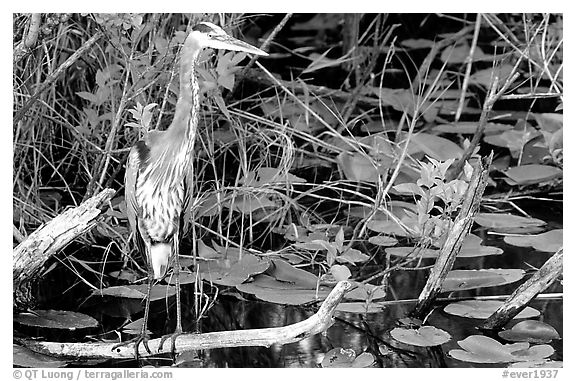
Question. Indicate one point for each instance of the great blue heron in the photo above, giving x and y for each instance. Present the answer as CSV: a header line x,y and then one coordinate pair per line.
x,y
159,173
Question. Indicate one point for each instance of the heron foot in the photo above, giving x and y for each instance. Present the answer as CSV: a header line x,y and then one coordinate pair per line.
x,y
142,338
172,337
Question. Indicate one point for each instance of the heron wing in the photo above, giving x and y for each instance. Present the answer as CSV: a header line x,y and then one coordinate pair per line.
x,y
130,180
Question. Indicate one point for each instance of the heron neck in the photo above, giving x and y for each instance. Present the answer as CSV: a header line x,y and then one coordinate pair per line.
x,y
183,127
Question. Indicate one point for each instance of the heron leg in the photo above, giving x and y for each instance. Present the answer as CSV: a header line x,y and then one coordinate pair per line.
x,y
143,337
178,331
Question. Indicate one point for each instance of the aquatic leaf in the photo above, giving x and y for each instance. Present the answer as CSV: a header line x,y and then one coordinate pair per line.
x,y
266,176
549,242
361,307
530,331
285,272
267,288
357,166
482,349
340,272
471,247
486,76
382,240
339,358
514,140
26,358
387,227
364,360
436,146
502,220
352,256
135,327
458,280
534,353
426,336
482,309
408,189
459,54
250,202
128,275
226,273
533,173
137,291
538,364
53,319
470,128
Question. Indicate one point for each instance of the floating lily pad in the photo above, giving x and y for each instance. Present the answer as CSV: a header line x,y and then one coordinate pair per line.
x,y
56,319
135,327
482,309
470,248
137,291
352,256
505,221
340,272
25,358
387,227
269,289
250,202
549,242
514,140
361,307
227,273
485,350
530,331
458,280
426,336
533,174
382,240
537,364
285,272
346,358
486,76
436,146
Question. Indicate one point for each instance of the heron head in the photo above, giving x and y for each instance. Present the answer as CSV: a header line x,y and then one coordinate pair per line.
x,y
208,35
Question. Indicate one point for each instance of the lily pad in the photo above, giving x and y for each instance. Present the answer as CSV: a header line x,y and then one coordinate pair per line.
x,y
530,331
533,174
458,280
225,273
482,309
426,336
485,350
361,307
514,140
352,256
549,242
53,319
387,227
137,291
382,240
505,221
346,358
485,77
269,289
471,247
437,147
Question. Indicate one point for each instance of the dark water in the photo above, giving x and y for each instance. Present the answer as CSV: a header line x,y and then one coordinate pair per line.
x,y
350,331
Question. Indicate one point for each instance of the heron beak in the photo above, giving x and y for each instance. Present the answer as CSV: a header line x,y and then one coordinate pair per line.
x,y
231,43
